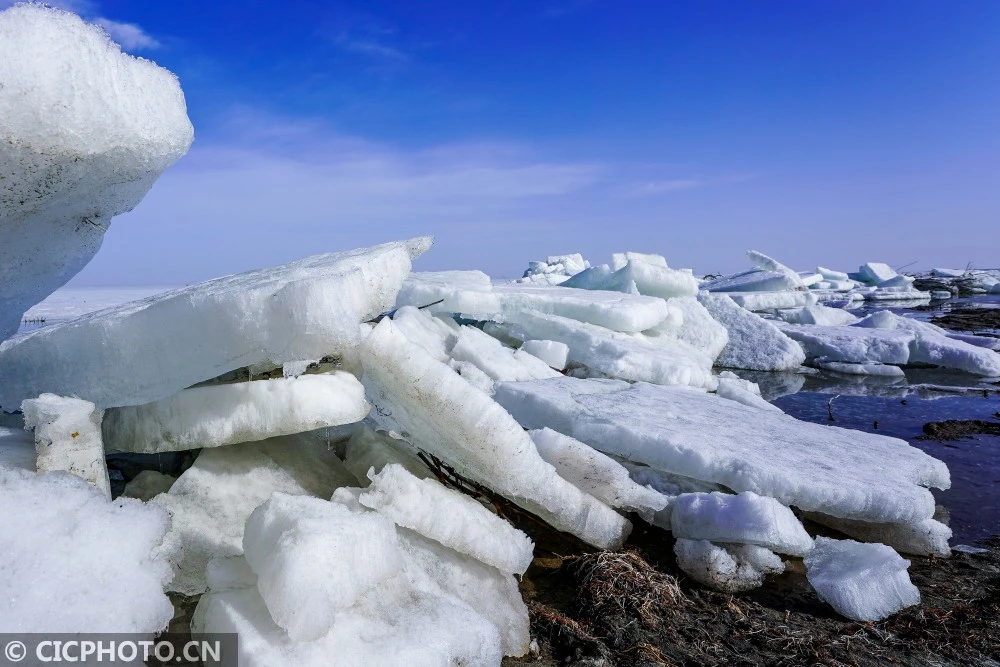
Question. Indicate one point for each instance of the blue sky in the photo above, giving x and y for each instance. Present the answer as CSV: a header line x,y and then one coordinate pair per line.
x,y
830,132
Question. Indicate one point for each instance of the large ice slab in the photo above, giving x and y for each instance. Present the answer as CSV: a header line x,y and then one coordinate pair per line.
x,y
210,503
818,314
921,538
597,474
763,301
744,518
932,346
75,562
864,582
226,414
836,471
449,517
85,130
149,349
852,344
68,438
660,361
427,403
755,280
754,343
465,293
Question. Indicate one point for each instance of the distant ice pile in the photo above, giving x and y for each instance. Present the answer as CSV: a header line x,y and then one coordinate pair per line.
x,y
85,130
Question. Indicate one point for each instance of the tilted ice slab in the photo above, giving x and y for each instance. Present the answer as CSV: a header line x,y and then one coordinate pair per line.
x,y
818,314
85,130
755,280
75,562
921,538
698,328
851,344
314,558
465,293
444,515
731,568
745,518
761,301
875,273
424,401
149,349
618,355
68,438
864,582
596,473
826,469
932,346
226,414
765,263
210,503
754,343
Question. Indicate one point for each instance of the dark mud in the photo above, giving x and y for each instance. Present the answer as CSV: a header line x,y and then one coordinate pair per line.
x,y
969,318
636,608
956,429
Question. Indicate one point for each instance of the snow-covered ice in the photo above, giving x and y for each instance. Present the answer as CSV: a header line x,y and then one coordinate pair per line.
x,y
210,503
68,438
85,131
150,349
74,562
864,582
836,471
754,343
744,518
732,568
226,414
314,558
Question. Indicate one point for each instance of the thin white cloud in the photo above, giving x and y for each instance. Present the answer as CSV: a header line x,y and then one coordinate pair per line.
x,y
653,188
370,47
131,36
